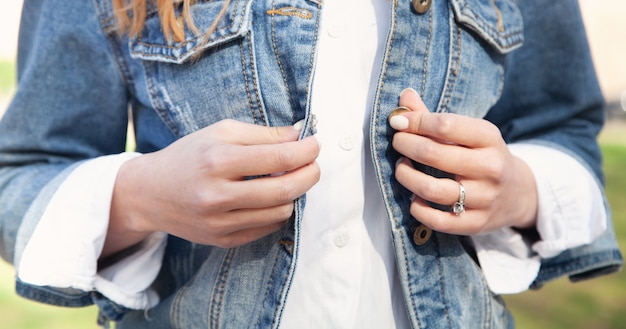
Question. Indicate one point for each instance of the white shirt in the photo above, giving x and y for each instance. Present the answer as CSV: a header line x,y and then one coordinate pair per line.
x,y
345,243
346,260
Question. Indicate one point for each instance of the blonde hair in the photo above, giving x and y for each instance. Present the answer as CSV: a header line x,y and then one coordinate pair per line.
x,y
131,17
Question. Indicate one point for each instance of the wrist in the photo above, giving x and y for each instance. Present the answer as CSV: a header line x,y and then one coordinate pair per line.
x,y
529,199
127,226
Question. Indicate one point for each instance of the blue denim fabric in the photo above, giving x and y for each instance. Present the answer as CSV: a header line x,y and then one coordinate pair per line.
x,y
77,78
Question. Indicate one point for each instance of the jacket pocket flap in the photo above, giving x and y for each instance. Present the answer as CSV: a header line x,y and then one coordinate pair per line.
x,y
151,44
498,22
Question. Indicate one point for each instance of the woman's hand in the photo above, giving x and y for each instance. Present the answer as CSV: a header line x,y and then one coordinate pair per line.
x,y
500,188
196,188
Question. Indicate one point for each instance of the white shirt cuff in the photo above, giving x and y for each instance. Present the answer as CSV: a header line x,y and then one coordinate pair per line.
x,y
65,246
571,213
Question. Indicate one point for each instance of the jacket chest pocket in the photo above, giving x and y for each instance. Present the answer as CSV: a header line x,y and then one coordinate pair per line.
x,y
204,78
482,33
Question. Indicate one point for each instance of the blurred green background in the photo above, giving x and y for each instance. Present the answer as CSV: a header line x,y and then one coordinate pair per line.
x,y
598,304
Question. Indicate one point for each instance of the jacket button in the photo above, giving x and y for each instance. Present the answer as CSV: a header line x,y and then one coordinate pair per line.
x,y
422,234
398,110
421,6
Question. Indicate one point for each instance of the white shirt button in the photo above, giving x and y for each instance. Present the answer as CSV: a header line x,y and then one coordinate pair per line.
x,y
336,31
341,239
346,141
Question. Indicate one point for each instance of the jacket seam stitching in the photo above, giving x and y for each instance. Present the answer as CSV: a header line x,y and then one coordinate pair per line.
x,y
375,143
109,33
427,52
245,79
159,107
313,53
452,73
199,37
255,84
278,61
488,319
441,285
267,290
486,27
217,297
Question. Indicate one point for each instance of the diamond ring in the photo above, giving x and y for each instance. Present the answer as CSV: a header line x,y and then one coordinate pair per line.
x,y
459,206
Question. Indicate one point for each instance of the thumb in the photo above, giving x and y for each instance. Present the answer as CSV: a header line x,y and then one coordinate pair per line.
x,y
411,101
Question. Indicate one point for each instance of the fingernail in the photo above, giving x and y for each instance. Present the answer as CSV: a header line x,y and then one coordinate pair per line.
x,y
399,122
407,90
298,125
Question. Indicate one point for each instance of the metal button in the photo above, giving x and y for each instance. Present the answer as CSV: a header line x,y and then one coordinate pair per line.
x,y
421,6
422,234
398,110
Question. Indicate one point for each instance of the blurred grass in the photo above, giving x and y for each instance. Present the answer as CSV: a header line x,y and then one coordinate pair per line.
x,y
598,304
7,76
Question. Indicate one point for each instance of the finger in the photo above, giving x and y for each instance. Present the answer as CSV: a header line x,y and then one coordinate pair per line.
x,y
447,127
450,128
271,191
443,191
450,158
242,237
236,161
411,99
467,223
237,132
243,219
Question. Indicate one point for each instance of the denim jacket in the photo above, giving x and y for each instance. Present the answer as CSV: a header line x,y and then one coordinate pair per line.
x,y
77,78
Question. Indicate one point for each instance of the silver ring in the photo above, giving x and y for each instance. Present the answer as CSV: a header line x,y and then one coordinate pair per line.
x,y
459,206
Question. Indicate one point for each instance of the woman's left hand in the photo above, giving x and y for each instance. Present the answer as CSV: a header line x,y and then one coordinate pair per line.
x,y
500,188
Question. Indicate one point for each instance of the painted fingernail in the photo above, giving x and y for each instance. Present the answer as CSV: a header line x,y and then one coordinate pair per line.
x,y
399,122
298,125
408,90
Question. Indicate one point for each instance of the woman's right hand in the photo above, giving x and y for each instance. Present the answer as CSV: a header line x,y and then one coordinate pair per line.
x,y
196,188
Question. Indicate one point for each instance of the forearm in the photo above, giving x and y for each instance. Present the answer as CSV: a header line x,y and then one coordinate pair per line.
x,y
66,243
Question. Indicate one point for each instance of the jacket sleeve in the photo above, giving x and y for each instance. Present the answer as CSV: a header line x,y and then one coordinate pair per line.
x,y
70,105
551,97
